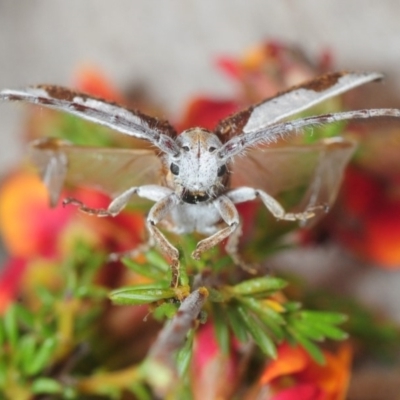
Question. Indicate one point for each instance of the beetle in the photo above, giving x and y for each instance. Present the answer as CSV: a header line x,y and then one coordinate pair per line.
x,y
200,175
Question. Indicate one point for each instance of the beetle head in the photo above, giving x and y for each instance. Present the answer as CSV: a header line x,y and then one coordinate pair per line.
x,y
196,172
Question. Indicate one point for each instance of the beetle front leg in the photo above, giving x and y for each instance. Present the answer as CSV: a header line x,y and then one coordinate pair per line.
x,y
157,213
243,194
230,215
150,192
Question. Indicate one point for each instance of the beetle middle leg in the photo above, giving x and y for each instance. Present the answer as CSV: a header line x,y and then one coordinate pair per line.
x,y
230,215
157,213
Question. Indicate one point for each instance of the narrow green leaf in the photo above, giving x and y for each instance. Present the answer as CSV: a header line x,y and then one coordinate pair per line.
x,y
258,334
45,296
42,357
331,318
307,330
314,351
263,308
24,316
91,292
26,351
2,334
165,310
135,296
184,355
11,326
148,271
259,285
70,393
272,319
46,386
4,369
292,306
183,276
141,392
221,327
328,331
236,323
163,284
157,260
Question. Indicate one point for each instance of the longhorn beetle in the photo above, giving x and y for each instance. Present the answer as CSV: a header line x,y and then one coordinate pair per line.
x,y
200,175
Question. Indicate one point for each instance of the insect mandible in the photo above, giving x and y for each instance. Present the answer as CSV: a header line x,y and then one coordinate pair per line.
x,y
199,178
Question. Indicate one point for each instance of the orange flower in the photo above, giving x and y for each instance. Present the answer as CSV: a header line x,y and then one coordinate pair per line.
x,y
294,375
29,227
90,79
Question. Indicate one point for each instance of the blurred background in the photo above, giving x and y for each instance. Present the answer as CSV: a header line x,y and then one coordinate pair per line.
x,y
171,47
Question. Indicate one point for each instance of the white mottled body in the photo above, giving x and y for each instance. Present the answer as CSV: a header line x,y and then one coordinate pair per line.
x,y
201,218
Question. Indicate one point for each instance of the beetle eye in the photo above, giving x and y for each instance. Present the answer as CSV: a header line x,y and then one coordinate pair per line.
x,y
174,169
211,149
221,170
186,148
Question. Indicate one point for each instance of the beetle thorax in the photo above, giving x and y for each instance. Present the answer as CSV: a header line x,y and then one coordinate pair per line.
x,y
196,173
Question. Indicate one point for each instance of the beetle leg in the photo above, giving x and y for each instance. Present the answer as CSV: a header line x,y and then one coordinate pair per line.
x,y
99,212
230,215
138,250
232,246
243,194
157,214
150,192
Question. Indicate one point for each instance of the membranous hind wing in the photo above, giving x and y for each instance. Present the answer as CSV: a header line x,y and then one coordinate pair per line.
x,y
109,170
299,176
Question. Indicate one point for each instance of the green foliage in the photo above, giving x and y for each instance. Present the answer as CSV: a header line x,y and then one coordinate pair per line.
x,y
142,294
373,333
247,309
34,341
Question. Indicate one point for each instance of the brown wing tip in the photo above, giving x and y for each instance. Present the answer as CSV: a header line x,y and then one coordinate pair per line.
x,y
59,92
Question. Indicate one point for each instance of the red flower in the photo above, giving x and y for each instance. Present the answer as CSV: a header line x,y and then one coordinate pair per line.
x,y
294,375
214,374
367,219
206,112
10,278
